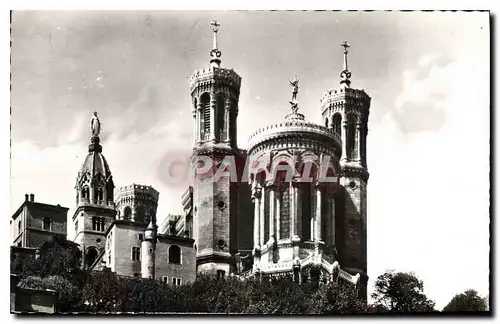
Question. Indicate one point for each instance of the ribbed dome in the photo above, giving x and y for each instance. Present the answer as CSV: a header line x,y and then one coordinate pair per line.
x,y
95,163
294,125
94,182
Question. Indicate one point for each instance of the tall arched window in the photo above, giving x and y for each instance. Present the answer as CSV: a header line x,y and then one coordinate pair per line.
x,y
337,123
326,122
351,136
99,194
85,193
91,256
174,254
205,117
127,213
219,117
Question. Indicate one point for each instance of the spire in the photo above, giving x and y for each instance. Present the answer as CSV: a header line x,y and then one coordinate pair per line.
x,y
95,129
294,103
345,74
215,53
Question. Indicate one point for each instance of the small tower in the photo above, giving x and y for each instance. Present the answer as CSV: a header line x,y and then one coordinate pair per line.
x,y
148,248
95,209
215,94
346,110
137,203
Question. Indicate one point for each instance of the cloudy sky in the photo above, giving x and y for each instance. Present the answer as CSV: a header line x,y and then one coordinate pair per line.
x,y
428,141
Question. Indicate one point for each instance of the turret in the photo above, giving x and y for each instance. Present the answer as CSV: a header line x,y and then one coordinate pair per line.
x,y
148,248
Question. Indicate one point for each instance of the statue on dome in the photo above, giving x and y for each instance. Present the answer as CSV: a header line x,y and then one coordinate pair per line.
x,y
295,84
95,125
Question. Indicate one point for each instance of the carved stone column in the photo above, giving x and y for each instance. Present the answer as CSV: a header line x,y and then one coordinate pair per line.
x,y
312,218
293,210
272,213
357,147
343,134
318,213
227,120
298,210
256,194
262,216
199,117
278,211
212,117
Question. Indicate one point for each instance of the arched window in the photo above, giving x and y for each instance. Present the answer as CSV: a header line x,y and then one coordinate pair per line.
x,y
205,116
91,256
174,254
99,194
219,115
337,123
127,212
351,136
85,193
326,122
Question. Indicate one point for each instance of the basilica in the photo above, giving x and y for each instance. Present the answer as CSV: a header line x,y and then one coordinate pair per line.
x,y
301,211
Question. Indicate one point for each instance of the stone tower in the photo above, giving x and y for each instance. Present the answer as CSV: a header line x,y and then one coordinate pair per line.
x,y
346,110
215,94
148,248
137,203
95,209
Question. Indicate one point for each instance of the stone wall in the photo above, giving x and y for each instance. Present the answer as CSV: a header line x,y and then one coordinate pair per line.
x,y
124,237
35,301
186,270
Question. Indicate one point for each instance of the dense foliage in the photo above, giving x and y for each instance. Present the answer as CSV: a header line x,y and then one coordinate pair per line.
x,y
400,292
58,268
468,301
68,295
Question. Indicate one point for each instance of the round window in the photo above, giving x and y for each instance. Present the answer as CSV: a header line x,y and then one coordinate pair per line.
x,y
221,244
221,205
352,184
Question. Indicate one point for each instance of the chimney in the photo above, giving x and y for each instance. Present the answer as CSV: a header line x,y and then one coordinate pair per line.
x,y
26,197
32,197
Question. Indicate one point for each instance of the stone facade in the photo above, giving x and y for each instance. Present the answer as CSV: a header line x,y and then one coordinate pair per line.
x,y
215,94
34,223
167,270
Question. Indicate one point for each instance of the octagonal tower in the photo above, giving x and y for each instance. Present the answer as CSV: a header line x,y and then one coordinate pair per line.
x,y
215,94
346,110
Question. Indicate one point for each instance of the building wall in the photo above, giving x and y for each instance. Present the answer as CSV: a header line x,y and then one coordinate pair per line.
x,y
245,217
86,236
124,237
38,301
186,270
353,249
30,218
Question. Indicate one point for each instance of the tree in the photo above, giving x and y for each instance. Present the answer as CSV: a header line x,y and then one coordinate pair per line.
x,y
103,292
336,298
468,301
58,257
401,292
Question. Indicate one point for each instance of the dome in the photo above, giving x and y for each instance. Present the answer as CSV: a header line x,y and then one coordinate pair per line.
x,y
95,164
94,183
294,129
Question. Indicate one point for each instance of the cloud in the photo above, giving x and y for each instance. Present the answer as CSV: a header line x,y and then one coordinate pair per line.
x,y
429,185
421,105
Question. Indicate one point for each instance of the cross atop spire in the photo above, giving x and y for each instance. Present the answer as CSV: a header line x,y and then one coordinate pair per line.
x,y
345,74
215,53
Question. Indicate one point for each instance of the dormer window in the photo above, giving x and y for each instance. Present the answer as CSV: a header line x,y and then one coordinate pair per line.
x,y
47,224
